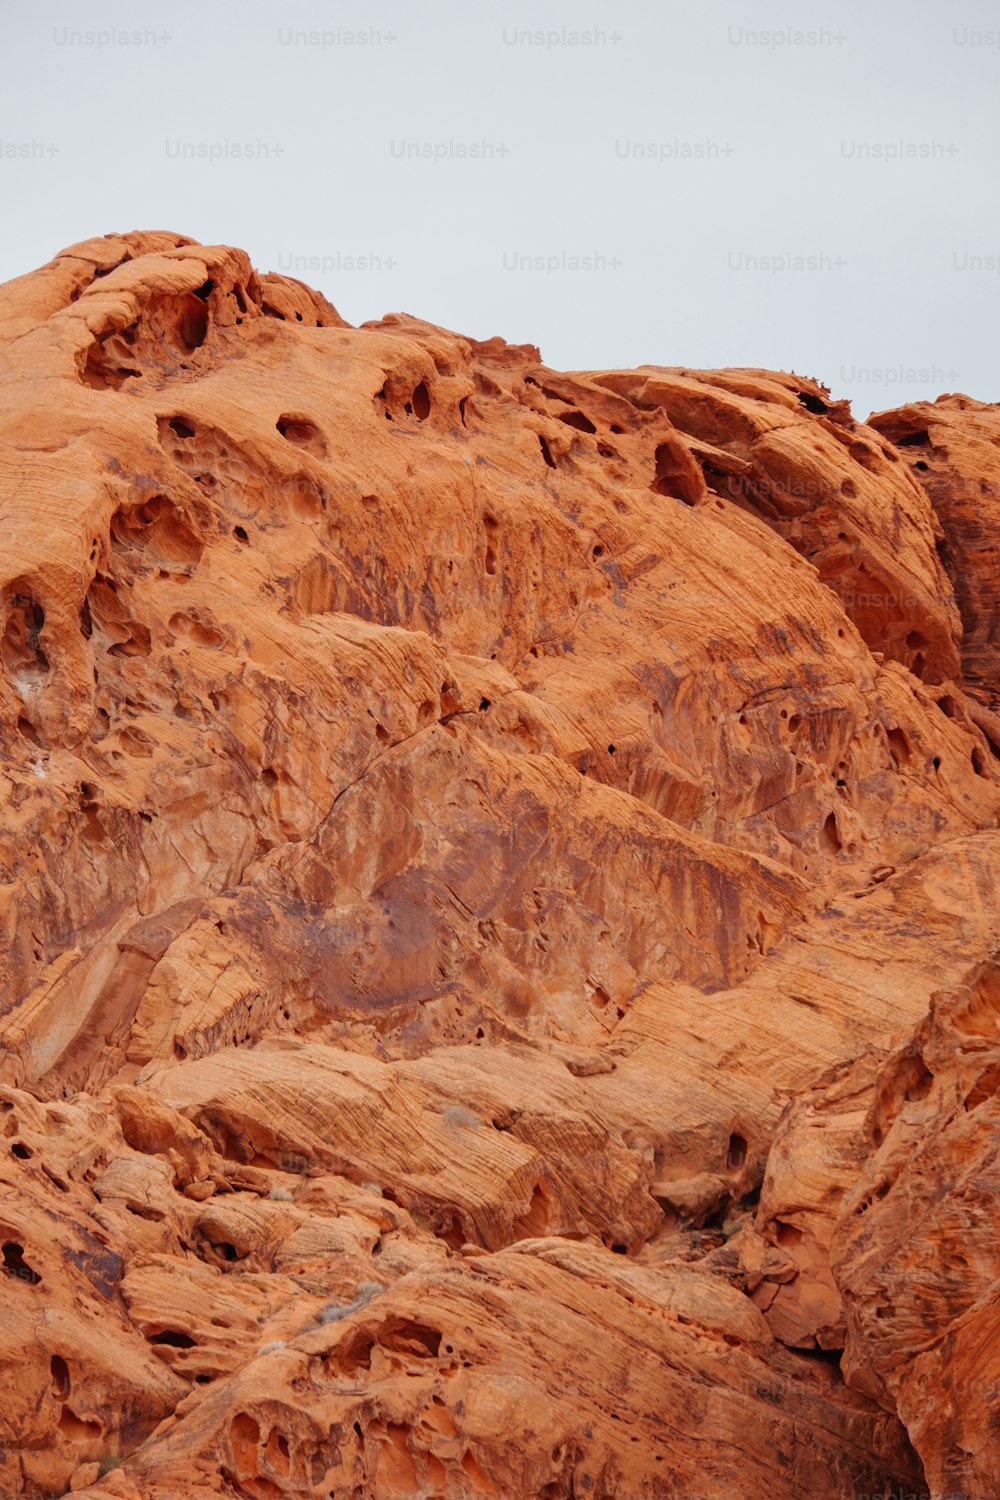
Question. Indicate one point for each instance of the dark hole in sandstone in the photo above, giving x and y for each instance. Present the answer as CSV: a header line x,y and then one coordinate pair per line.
x,y
239,533
578,420
303,433
181,427
14,1264
172,1337
21,1151
670,478
205,291
421,402
736,1154
78,1429
193,324
484,704
59,1371
919,439
813,404
899,747
546,452
405,1336
611,749
919,1080
924,468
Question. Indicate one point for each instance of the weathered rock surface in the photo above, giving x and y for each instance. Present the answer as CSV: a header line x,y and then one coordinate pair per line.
x,y
466,830
950,446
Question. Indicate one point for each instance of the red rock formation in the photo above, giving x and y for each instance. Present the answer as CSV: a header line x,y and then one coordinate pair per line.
x,y
951,447
450,810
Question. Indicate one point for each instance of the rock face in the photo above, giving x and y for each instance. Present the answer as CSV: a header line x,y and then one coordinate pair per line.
x,y
467,831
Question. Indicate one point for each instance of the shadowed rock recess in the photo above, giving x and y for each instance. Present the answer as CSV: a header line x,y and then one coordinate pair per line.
x,y
500,984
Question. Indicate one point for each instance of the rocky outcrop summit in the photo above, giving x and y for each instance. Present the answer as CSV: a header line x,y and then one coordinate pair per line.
x,y
500,991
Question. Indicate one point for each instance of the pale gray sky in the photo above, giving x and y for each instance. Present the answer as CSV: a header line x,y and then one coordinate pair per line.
x,y
621,183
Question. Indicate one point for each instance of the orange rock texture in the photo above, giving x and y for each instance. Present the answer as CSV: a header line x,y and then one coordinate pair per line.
x,y
500,990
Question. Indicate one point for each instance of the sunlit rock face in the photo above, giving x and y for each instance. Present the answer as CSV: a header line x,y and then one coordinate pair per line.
x,y
497,884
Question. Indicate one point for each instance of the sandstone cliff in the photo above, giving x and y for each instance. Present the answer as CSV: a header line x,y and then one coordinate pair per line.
x,y
499,988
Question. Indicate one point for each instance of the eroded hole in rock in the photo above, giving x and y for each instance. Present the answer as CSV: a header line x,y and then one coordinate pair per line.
x,y
736,1153
578,420
21,1151
86,620
173,1338
406,1336
78,1429
899,747
156,532
830,837
490,524
192,323
985,1087
536,1221
110,362
139,642
24,660
673,477
546,452
813,404
15,1265
59,1374
918,1081
244,1440
421,402
278,1452
868,458
303,433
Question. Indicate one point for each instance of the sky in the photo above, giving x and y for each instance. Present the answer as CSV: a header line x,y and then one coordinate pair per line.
x,y
806,187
